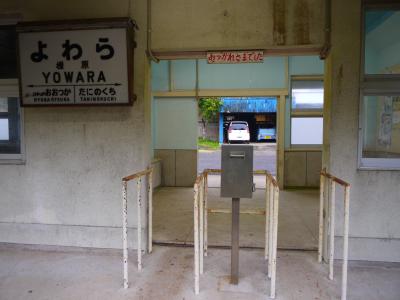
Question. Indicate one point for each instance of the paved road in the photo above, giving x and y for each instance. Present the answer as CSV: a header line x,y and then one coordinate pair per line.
x,y
264,158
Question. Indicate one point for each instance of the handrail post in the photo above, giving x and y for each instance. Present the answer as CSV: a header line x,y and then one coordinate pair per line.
x,y
267,188
270,227
275,241
150,216
147,172
331,183
201,208
139,223
332,230
196,240
345,240
125,232
321,216
205,213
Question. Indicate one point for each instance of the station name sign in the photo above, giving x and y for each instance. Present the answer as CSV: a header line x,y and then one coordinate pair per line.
x,y
88,62
235,57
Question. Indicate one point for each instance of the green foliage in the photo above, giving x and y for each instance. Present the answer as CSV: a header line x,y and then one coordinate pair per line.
x,y
209,108
208,144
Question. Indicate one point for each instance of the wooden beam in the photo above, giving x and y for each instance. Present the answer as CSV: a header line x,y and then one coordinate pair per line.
x,y
222,93
164,54
281,140
307,113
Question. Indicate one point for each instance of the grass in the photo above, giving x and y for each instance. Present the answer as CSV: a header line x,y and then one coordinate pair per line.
x,y
207,144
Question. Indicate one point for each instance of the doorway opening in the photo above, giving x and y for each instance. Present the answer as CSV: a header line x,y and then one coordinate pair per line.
x,y
259,95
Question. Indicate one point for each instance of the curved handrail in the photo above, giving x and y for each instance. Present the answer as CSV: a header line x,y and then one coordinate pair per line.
x,y
331,180
137,175
334,178
147,172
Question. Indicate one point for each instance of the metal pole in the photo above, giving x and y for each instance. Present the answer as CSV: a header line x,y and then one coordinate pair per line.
x,y
267,187
196,241
332,230
345,240
125,232
235,241
150,226
139,223
201,188
205,213
325,234
321,216
270,226
275,242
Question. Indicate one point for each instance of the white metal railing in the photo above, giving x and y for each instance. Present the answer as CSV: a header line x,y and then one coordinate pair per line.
x,y
138,176
325,194
201,211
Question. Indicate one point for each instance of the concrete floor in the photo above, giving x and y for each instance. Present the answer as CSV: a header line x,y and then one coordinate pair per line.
x,y
71,273
298,218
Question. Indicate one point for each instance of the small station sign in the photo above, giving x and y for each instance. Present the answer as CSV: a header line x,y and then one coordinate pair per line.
x,y
86,62
235,57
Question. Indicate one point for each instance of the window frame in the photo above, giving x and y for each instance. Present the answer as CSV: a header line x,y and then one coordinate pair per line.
x,y
10,88
374,85
304,113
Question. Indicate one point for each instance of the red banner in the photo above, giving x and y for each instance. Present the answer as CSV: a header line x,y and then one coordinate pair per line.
x,y
235,57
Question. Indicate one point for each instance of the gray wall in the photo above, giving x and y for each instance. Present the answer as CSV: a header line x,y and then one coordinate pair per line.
x,y
239,24
375,195
69,191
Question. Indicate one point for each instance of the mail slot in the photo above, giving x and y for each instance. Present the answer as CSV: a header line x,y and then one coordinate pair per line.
x,y
237,171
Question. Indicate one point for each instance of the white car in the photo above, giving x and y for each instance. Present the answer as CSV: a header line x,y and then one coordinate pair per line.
x,y
238,131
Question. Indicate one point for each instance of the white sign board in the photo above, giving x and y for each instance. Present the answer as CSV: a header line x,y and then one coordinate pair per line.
x,y
75,67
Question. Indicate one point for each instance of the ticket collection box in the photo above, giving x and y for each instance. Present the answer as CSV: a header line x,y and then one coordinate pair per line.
x,y
236,183
237,171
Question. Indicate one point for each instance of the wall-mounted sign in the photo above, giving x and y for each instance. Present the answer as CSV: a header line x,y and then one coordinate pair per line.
x,y
235,57
87,62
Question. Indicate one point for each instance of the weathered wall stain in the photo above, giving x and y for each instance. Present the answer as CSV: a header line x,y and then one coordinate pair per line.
x,y
279,26
301,24
339,80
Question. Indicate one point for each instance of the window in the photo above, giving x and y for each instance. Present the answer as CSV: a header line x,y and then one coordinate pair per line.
x,y
307,101
379,133
11,116
307,95
9,126
381,40
11,123
237,126
8,52
306,131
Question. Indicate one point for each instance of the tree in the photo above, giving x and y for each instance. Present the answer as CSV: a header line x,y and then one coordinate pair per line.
x,y
209,109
